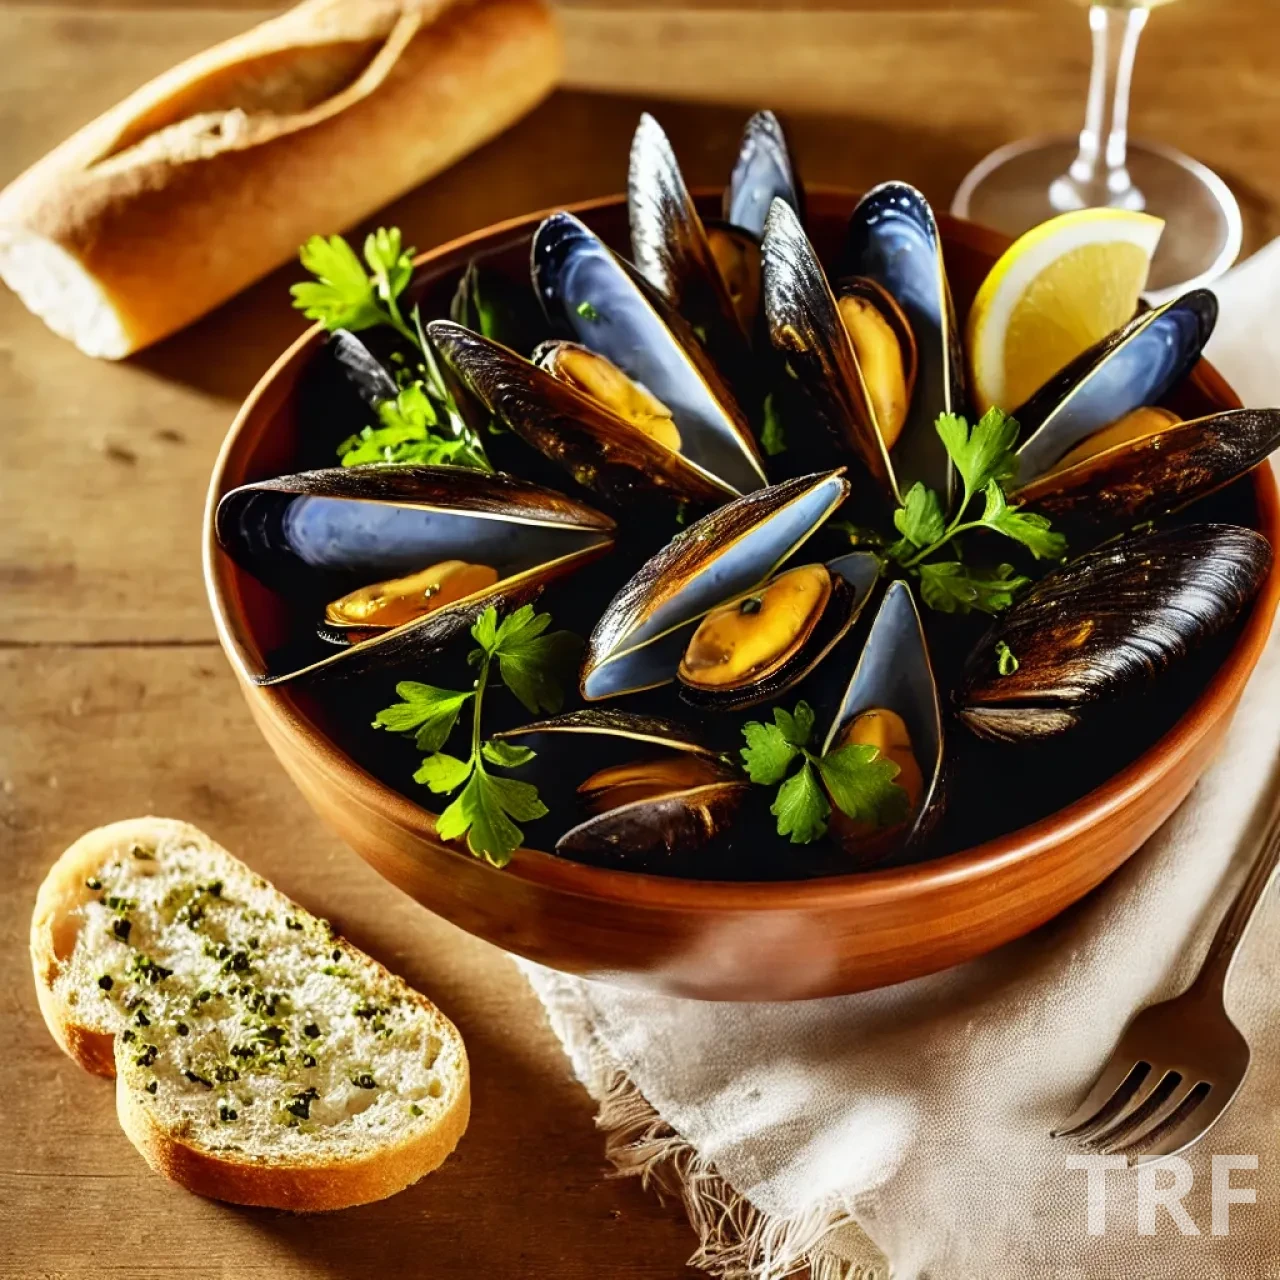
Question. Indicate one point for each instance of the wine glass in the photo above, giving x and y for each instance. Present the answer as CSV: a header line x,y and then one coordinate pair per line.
x,y
1025,182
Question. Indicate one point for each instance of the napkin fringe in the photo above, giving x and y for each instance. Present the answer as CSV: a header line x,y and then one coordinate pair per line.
x,y
736,1240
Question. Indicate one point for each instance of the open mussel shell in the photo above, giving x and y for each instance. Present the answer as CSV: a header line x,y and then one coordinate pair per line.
x,y
895,676
1110,622
1133,367
602,450
1153,475
318,535
805,327
586,289
797,640
670,247
638,641
652,804
762,173
655,731
893,239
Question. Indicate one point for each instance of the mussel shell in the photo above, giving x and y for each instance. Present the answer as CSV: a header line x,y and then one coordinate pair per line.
x,y
601,450
894,673
1111,621
1134,366
316,535
626,321
669,245
762,173
638,640
853,579
680,822
893,239
805,327
363,370
1155,475
657,731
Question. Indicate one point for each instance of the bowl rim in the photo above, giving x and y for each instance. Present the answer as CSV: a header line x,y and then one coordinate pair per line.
x,y
883,887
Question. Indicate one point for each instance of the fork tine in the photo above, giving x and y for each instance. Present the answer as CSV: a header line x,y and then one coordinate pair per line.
x,y
1146,1101
1111,1092
1169,1103
1190,1128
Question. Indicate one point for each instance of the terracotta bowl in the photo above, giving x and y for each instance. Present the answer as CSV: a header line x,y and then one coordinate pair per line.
x,y
717,940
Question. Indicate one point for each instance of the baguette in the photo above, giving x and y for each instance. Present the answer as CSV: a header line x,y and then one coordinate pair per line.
x,y
258,1058
214,173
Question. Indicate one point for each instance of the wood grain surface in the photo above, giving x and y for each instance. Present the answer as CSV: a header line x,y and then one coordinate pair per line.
x,y
117,701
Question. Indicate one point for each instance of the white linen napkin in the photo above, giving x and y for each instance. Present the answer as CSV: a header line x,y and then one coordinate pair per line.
x,y
904,1132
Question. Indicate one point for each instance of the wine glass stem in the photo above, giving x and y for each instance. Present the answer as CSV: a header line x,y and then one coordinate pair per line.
x,y
1098,175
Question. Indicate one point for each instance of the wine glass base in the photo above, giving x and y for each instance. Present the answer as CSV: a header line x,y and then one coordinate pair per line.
x,y
1009,191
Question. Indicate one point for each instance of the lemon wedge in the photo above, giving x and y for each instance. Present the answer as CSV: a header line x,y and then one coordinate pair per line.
x,y
1055,292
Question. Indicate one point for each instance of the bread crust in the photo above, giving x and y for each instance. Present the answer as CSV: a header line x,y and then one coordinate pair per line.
x,y
309,1186
298,1184
162,208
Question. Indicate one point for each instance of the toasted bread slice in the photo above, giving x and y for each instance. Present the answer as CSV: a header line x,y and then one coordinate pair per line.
x,y
258,1057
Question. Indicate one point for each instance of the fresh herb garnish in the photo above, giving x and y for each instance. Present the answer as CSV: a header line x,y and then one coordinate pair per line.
x,y
533,663
857,777
1006,659
423,423
587,311
773,437
346,296
985,461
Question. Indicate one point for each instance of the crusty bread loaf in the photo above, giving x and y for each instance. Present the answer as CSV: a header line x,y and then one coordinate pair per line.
x,y
216,171
258,1058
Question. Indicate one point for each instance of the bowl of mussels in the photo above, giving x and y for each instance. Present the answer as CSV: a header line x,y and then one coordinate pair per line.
x,y
639,586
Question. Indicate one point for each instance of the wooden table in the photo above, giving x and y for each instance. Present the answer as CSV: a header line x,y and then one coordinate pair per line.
x,y
117,701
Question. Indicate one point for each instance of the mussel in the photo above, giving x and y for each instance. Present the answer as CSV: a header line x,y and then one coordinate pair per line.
x,y
1129,369
586,415
587,289
891,703
879,362
756,646
638,641
655,803
1149,465
400,559
762,173
893,242
363,369
1107,623
670,247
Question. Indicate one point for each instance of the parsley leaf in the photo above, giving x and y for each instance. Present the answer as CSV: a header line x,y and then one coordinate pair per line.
x,y
861,782
443,773
857,778
1026,527
431,711
950,587
390,262
342,295
801,807
920,519
1006,659
768,754
773,436
984,453
534,666
484,810
506,754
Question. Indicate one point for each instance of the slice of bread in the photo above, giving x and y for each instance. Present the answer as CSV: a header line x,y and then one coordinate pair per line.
x,y
258,1057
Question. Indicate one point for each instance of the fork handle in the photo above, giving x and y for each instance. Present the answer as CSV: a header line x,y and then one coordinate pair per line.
x,y
1235,924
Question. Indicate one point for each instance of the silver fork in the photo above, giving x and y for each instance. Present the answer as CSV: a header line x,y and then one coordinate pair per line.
x,y
1180,1062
